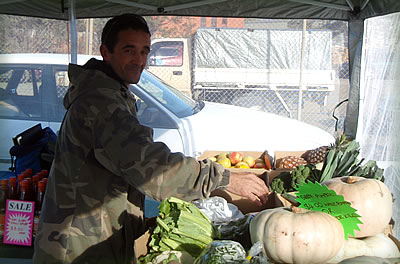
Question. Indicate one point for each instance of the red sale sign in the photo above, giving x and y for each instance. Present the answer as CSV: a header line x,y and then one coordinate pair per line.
x,y
19,222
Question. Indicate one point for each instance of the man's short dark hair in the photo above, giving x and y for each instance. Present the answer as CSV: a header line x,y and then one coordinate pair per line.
x,y
109,36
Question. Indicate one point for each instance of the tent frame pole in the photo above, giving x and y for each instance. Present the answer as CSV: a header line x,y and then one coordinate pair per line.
x,y
73,32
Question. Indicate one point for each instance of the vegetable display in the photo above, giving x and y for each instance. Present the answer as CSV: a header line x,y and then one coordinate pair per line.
x,y
341,159
297,237
184,234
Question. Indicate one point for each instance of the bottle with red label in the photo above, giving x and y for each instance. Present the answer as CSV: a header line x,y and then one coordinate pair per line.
x,y
3,203
45,180
44,173
38,205
35,185
12,188
20,178
30,189
28,172
24,191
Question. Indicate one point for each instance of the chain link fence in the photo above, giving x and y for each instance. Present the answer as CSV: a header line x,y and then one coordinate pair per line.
x,y
312,103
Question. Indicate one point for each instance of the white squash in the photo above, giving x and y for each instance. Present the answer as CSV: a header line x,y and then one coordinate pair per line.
x,y
297,237
379,245
370,260
371,198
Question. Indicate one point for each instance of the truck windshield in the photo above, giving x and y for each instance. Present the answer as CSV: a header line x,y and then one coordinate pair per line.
x,y
169,97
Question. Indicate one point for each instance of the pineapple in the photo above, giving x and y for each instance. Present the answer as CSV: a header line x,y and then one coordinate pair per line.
x,y
316,155
290,162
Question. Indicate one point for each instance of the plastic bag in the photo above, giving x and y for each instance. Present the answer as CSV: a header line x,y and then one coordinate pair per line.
x,y
223,252
237,229
256,254
230,223
218,209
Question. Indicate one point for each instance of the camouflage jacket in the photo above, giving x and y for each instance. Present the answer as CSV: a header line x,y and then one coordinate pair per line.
x,y
105,164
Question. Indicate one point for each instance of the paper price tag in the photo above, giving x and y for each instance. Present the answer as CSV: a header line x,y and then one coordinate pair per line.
x,y
317,197
18,222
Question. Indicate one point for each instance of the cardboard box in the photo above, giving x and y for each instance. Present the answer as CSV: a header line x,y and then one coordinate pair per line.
x,y
243,203
141,244
275,160
254,154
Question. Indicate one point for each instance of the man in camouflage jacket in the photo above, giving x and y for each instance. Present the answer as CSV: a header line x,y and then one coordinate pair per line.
x,y
106,162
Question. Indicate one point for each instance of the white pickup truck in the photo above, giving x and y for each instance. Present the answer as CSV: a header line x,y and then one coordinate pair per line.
x,y
32,87
247,67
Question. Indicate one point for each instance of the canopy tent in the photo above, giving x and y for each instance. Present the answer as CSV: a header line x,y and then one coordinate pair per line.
x,y
356,12
353,11
317,9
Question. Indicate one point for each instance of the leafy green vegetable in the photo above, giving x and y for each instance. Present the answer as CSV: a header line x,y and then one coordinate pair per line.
x,y
180,226
368,170
342,160
281,183
288,181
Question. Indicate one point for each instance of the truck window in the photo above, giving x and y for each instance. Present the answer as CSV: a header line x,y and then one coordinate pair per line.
x,y
166,53
167,96
20,92
62,85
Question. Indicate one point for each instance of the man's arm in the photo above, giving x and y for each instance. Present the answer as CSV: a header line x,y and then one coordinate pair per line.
x,y
126,148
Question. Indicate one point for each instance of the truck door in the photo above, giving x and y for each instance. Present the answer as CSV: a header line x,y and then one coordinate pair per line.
x,y
169,61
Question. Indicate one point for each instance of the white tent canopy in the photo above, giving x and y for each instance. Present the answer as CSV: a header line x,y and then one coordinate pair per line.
x,y
311,9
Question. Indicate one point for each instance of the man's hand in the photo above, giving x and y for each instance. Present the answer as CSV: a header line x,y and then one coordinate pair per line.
x,y
248,185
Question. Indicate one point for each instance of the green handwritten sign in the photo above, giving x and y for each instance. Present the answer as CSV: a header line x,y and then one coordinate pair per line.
x,y
317,197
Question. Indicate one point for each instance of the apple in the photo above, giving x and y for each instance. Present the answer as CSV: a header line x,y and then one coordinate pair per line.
x,y
242,165
235,157
225,162
249,160
222,155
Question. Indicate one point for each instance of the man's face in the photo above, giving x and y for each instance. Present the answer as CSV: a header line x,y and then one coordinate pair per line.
x,y
129,56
